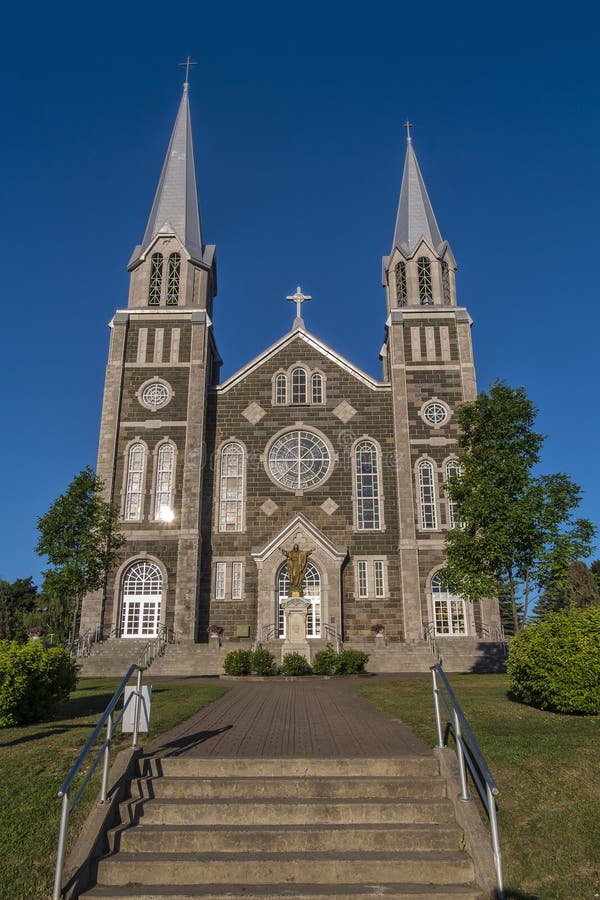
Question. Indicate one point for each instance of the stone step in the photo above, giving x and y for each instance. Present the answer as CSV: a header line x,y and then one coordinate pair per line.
x,y
435,867
273,788
207,767
286,812
288,892
269,838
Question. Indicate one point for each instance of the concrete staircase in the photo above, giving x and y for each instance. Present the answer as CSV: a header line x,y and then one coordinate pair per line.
x,y
307,829
459,654
111,657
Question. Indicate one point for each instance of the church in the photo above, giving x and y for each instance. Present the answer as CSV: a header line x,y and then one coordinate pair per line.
x,y
217,481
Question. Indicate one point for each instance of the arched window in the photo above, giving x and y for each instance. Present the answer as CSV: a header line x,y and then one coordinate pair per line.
x,y
448,609
141,602
401,294
317,388
156,270
163,497
231,488
311,587
446,283
452,470
173,279
367,486
134,482
425,283
427,494
281,389
298,386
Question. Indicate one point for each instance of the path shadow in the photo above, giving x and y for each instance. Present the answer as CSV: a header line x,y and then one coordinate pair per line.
x,y
189,741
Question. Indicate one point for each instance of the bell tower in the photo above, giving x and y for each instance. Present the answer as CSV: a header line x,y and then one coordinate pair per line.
x,y
162,359
428,359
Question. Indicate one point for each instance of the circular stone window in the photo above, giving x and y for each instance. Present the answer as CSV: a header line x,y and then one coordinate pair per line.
x,y
435,413
299,460
155,395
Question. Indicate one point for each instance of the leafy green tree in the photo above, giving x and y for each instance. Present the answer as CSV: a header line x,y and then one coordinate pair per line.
x,y
517,534
79,536
17,600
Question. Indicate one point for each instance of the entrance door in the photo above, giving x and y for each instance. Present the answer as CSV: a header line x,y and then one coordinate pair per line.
x,y
448,609
311,587
141,604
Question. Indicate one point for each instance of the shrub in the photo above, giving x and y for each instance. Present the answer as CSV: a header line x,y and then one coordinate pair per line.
x,y
294,664
33,680
325,661
238,662
555,664
351,662
262,662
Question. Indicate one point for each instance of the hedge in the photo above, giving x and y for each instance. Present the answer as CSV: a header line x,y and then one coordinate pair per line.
x,y
555,665
33,680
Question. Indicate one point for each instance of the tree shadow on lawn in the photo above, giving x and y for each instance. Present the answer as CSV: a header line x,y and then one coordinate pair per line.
x,y
509,894
39,735
80,707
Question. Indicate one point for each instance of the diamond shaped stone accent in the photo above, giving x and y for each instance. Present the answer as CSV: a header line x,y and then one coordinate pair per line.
x,y
269,507
344,411
254,413
329,506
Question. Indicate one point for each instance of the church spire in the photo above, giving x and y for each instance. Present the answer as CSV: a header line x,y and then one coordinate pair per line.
x,y
415,219
175,209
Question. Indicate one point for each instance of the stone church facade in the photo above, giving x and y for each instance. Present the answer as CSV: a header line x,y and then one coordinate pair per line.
x,y
214,479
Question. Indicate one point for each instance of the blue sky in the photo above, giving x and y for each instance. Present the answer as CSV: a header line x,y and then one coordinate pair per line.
x,y
298,127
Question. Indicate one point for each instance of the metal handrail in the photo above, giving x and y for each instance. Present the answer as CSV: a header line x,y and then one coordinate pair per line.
x,y
469,757
332,633
104,753
429,636
156,646
269,632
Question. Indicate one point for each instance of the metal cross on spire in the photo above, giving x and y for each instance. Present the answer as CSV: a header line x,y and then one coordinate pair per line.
x,y
408,126
188,63
299,298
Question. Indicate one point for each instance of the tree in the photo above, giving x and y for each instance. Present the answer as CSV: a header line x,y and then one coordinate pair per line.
x,y
17,601
78,534
579,590
517,534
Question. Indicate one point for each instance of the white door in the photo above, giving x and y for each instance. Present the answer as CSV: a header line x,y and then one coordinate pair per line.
x,y
141,603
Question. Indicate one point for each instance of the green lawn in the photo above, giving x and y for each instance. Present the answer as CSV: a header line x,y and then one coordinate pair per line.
x,y
35,759
546,767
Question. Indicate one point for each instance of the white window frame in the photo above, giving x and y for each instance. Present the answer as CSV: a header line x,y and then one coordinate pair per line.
x,y
296,386
237,580
220,580
280,397
360,500
362,579
134,487
164,481
452,463
427,494
225,502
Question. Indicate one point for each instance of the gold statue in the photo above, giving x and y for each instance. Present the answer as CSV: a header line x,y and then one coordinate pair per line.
x,y
297,561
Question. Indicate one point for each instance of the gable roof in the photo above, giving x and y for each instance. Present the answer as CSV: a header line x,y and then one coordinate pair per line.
x,y
315,344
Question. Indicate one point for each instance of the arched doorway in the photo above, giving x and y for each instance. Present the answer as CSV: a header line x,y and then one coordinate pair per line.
x,y
449,612
311,587
142,599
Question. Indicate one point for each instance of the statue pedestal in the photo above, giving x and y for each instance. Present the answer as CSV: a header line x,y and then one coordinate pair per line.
x,y
380,641
295,611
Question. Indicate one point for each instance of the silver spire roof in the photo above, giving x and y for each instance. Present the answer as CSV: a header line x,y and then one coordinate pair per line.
x,y
415,219
175,208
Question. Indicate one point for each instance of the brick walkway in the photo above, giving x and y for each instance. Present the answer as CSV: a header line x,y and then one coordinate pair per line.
x,y
304,718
